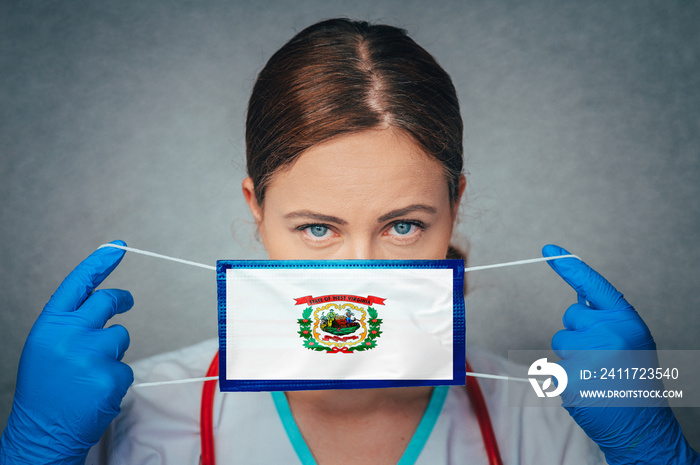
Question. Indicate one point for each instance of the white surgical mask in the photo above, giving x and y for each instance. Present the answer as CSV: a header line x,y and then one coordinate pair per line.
x,y
289,325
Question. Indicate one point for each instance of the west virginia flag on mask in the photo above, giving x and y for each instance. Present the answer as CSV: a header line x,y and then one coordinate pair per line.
x,y
330,324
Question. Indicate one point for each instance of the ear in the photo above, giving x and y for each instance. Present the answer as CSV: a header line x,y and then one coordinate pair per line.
x,y
460,193
249,194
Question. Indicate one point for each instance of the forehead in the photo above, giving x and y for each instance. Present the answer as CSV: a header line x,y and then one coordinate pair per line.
x,y
364,172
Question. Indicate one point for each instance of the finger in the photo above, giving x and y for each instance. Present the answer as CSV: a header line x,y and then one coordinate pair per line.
x,y
567,343
562,341
111,342
123,378
103,305
111,378
585,281
85,278
579,317
575,317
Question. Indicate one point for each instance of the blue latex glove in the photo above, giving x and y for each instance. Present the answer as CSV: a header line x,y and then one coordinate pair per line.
x,y
70,381
603,320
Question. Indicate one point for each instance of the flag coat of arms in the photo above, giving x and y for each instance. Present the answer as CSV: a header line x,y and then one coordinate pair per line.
x,y
330,324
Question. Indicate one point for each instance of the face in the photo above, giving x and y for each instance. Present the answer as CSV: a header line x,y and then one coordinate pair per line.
x,y
367,195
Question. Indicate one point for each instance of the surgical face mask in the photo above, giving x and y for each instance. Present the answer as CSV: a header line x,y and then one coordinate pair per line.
x,y
298,325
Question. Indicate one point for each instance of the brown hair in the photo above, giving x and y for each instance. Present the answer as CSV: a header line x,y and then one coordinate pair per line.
x,y
340,76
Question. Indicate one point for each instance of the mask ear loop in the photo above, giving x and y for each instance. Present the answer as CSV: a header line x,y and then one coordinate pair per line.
x,y
582,300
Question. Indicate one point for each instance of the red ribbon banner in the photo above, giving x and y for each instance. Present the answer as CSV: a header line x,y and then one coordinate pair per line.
x,y
327,338
343,350
309,300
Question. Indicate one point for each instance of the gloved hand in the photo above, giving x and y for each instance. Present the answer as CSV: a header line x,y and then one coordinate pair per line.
x,y
603,320
70,381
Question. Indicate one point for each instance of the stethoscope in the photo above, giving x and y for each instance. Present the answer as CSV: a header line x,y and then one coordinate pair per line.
x,y
207,416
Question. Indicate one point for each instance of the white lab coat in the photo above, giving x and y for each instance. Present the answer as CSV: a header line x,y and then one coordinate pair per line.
x,y
160,425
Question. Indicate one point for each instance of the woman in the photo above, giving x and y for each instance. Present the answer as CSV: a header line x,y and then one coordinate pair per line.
x,y
354,148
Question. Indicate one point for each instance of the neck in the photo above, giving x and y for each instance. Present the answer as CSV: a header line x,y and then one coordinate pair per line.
x,y
358,401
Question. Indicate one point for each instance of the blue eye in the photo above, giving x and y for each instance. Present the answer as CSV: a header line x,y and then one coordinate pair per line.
x,y
316,233
403,228
317,230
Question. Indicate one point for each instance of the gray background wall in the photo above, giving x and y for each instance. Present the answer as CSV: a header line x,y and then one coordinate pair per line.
x,y
123,120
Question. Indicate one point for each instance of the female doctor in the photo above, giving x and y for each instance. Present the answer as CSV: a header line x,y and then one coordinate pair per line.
x,y
354,151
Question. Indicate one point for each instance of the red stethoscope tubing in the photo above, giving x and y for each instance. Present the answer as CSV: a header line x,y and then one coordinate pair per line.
x,y
482,415
206,415
473,390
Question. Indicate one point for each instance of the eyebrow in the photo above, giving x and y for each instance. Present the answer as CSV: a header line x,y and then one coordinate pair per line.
x,y
315,216
334,219
403,211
